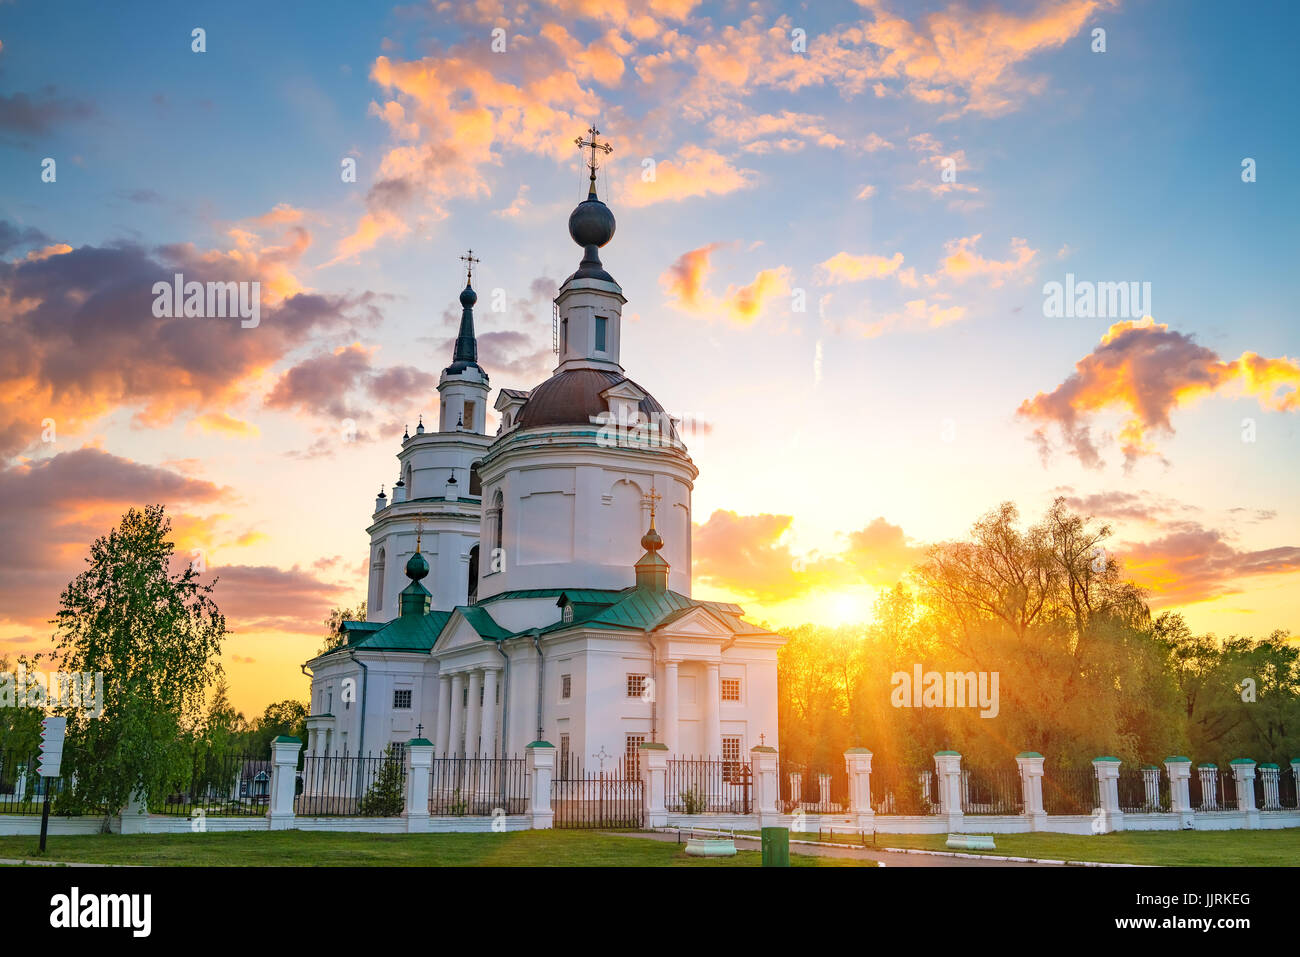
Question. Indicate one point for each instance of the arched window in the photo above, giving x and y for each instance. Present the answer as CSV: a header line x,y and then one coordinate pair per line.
x,y
473,573
379,580
498,526
410,492
475,483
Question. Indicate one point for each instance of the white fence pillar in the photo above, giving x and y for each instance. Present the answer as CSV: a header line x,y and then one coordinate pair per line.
x,y
654,783
1109,816
1179,769
857,762
1243,773
947,765
419,766
284,775
136,814
541,769
767,791
1031,788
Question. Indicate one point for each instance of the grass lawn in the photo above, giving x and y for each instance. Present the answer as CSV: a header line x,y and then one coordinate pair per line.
x,y
1179,848
316,848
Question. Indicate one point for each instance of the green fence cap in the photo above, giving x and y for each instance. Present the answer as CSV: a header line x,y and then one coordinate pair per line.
x,y
1029,754
286,739
1106,757
1178,759
1242,761
420,743
939,753
538,744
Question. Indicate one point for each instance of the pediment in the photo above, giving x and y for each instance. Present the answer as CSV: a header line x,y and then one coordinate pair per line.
x,y
457,633
697,622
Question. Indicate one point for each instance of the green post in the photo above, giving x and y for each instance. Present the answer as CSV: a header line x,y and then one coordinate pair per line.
x,y
776,847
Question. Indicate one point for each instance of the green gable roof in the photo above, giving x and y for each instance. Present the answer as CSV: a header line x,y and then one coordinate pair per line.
x,y
409,633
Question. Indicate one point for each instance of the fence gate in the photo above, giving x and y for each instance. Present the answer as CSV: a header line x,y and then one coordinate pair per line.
x,y
606,801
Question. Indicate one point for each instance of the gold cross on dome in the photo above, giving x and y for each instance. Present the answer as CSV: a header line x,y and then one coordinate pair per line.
x,y
652,498
469,261
593,144
419,529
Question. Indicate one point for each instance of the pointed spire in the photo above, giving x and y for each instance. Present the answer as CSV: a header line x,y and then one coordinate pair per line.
x,y
466,351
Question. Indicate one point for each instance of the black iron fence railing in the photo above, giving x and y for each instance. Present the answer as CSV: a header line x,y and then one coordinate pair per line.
x,y
21,790
812,788
991,791
351,786
1143,790
1070,791
220,785
478,786
607,800
1281,795
904,790
709,786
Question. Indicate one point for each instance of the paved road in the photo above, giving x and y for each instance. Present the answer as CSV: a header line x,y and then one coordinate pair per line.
x,y
884,857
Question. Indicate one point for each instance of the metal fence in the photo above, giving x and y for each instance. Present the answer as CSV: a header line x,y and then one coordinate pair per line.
x,y
815,789
348,786
21,790
904,790
1070,791
1281,798
474,786
1143,790
607,800
709,786
996,791
220,785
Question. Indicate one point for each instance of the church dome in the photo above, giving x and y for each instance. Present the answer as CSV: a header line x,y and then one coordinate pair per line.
x,y
574,398
591,223
468,296
417,567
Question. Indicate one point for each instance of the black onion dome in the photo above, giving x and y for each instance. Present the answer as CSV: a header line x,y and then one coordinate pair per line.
x,y
574,398
591,223
468,297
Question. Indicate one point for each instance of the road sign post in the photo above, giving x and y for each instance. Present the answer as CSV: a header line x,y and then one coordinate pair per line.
x,y
53,729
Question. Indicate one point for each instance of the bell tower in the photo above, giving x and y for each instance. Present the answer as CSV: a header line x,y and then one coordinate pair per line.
x,y
463,385
590,302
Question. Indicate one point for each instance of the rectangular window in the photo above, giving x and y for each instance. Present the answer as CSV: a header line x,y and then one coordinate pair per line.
x,y
402,698
564,756
467,419
635,686
731,770
566,686
632,756
397,751
730,689
601,323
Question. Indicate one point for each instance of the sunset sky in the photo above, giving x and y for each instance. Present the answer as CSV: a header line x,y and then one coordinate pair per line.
x,y
920,384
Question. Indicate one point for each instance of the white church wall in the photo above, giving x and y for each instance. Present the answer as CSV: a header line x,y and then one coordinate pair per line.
x,y
516,614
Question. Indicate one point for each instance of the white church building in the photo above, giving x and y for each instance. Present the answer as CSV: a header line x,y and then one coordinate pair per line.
x,y
536,584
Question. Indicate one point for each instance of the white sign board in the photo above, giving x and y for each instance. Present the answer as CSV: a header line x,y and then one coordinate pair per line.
x,y
53,729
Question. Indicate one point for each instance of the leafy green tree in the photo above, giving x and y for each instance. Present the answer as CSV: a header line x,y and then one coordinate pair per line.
x,y
333,638
155,634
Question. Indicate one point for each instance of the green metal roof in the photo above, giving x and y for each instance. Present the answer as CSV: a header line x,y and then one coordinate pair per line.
x,y
483,623
406,633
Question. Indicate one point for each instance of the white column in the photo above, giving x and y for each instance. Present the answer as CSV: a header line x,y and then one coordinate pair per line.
x,y
443,738
947,765
456,724
857,762
419,762
541,770
284,762
712,719
1243,773
1031,786
474,713
1180,798
1109,816
490,712
668,712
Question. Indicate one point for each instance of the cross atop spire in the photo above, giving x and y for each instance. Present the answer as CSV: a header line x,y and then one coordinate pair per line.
x,y
593,144
469,261
652,498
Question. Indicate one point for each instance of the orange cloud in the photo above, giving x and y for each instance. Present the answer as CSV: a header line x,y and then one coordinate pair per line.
x,y
1193,563
846,267
962,262
685,280
223,424
1145,371
695,171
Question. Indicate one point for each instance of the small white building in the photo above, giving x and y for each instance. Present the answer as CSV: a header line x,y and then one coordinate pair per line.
x,y
536,585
